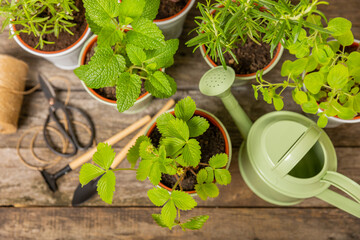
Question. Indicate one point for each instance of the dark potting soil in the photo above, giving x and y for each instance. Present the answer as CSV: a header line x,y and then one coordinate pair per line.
x,y
251,57
107,92
169,8
211,142
65,39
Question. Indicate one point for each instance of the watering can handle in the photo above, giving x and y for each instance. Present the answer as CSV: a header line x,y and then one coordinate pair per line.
x,y
346,185
297,151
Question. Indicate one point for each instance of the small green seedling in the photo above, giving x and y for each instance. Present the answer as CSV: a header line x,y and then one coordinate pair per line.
x,y
220,29
328,79
39,17
177,154
127,55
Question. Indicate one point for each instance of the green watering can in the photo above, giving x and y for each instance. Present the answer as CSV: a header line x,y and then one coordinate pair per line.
x,y
286,157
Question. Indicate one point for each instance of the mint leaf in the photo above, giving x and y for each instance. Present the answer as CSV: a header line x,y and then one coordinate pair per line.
x,y
106,186
339,26
103,68
183,200
146,34
197,126
313,82
219,160
168,213
195,223
158,84
136,54
104,155
143,170
133,154
176,128
101,12
173,145
222,176
207,190
192,153
185,109
163,57
155,173
158,196
109,36
128,88
131,8
338,76
88,172
151,9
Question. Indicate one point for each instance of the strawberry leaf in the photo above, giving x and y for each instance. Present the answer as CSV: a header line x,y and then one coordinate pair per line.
x,y
88,172
106,186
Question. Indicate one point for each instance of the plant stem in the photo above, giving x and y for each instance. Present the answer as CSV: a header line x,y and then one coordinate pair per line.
x,y
121,169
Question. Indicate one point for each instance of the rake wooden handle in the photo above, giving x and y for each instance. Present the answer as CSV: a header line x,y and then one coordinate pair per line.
x,y
122,154
114,139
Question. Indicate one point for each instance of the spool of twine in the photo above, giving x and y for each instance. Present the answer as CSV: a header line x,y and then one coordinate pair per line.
x,y
13,74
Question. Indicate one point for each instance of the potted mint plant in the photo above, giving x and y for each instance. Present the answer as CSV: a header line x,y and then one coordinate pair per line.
x,y
251,35
178,158
54,30
123,65
325,83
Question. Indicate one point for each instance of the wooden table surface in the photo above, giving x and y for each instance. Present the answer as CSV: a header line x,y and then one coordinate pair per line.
x,y
29,210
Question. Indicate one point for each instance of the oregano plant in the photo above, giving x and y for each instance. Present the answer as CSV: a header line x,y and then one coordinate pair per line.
x,y
39,17
130,49
328,79
177,154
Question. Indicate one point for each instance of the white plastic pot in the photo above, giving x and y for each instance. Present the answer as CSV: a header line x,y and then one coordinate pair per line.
x,y
172,26
66,59
141,103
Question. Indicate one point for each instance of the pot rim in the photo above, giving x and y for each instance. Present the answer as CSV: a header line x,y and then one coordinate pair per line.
x,y
178,15
210,117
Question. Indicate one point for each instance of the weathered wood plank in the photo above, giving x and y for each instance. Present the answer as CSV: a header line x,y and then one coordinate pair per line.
x,y
136,223
22,186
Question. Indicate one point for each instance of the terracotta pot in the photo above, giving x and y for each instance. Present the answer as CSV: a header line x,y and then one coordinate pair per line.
x,y
214,120
66,59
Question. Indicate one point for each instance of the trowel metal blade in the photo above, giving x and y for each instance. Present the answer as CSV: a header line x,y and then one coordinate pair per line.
x,y
82,194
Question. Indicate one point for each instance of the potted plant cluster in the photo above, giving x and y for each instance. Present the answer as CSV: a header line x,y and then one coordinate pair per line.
x,y
185,151
251,35
326,82
123,65
54,30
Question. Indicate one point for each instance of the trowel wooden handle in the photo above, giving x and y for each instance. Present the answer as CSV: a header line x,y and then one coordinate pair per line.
x,y
114,139
122,154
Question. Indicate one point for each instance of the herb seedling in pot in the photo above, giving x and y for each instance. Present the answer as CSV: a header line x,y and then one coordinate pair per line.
x,y
126,56
39,18
178,154
326,82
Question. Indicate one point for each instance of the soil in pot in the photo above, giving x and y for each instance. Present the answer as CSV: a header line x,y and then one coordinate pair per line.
x,y
251,57
211,142
169,8
107,92
65,39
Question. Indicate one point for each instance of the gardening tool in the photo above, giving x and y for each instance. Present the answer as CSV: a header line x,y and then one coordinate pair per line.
x,y
69,134
50,179
285,157
84,193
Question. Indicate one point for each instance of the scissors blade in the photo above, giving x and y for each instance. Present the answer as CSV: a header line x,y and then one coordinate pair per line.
x,y
46,87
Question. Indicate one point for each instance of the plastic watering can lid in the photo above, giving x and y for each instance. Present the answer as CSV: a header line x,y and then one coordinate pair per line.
x,y
278,141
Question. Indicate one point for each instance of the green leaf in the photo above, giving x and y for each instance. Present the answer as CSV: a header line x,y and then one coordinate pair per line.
x,y
197,126
201,176
136,54
219,160
132,8
207,190
128,89
162,122
109,36
101,12
357,102
210,175
173,145
310,107
311,65
323,54
155,173
104,155
338,76
89,172
158,220
195,223
143,170
222,176
159,85
339,26
163,57
299,66
347,113
146,34
353,63
147,151
301,97
185,109
168,213
286,68
192,153
322,121
106,186
151,9
278,103
133,154
346,39
313,82
102,70
183,200
158,196
176,128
